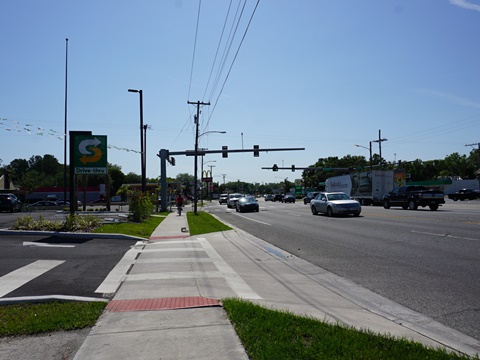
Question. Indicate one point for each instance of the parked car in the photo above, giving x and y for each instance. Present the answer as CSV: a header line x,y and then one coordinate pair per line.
x,y
288,199
277,197
223,199
98,202
310,195
464,194
232,200
9,202
44,205
269,197
333,203
247,203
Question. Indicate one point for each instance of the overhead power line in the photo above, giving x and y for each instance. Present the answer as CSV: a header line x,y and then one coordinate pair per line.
x,y
233,62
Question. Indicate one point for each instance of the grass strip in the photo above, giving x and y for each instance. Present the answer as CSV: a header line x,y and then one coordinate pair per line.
x,y
26,319
143,229
204,223
272,334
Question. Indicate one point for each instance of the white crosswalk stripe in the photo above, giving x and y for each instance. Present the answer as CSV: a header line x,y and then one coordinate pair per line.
x,y
20,277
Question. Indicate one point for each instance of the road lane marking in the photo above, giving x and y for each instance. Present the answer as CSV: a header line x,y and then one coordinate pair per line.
x,y
20,277
445,235
30,243
258,221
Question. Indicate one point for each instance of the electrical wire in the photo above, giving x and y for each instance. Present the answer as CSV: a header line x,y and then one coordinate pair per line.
x,y
194,48
233,62
218,48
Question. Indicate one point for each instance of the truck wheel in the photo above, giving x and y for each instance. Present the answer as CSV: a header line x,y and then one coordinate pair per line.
x,y
329,211
454,199
433,207
404,207
314,210
386,204
412,205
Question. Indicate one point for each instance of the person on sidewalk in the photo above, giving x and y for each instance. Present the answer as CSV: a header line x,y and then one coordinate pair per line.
x,y
179,201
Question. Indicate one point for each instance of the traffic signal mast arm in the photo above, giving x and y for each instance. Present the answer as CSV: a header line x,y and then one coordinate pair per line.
x,y
205,152
309,168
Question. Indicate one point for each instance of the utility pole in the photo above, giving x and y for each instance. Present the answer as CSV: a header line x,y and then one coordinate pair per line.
x,y
197,121
379,141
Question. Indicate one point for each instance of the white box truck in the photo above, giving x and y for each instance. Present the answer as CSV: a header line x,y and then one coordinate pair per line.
x,y
368,187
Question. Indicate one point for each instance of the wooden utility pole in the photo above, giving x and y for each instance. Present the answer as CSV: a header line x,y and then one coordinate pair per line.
x,y
197,121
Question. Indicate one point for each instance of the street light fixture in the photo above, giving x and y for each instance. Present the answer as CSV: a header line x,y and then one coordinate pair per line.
x,y
195,182
212,131
370,149
142,150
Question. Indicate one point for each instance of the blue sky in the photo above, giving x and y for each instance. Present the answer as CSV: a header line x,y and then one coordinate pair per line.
x,y
314,74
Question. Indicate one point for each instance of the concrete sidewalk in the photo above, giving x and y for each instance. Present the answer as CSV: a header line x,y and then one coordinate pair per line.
x,y
168,305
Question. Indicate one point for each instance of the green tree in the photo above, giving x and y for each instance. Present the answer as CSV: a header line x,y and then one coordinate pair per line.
x,y
132,178
117,177
29,182
19,168
185,179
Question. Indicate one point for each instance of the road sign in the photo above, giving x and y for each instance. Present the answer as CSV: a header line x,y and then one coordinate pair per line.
x,y
90,154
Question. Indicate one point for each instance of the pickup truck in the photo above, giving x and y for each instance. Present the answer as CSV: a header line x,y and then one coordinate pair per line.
x,y
464,194
413,196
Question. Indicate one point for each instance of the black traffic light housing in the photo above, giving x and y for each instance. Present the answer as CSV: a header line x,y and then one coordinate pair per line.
x,y
256,153
275,167
225,153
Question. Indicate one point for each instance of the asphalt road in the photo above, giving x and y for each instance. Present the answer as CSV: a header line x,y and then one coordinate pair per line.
x,y
57,266
425,260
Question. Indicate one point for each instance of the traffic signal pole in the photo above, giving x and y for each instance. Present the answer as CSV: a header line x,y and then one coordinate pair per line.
x,y
165,155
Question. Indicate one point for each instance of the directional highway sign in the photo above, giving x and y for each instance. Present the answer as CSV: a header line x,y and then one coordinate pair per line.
x,y
90,154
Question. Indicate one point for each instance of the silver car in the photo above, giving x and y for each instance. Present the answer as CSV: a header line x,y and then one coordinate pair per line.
x,y
232,200
333,203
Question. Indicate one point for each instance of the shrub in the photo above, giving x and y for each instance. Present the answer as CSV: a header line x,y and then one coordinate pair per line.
x,y
141,206
72,223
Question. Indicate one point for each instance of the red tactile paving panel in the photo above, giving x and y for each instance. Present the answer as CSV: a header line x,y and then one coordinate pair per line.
x,y
161,304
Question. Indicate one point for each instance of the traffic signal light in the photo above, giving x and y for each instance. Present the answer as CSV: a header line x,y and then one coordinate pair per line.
x,y
293,168
255,152
275,167
225,153
172,161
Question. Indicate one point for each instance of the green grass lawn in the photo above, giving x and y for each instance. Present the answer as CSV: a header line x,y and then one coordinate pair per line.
x,y
204,223
143,229
25,319
270,334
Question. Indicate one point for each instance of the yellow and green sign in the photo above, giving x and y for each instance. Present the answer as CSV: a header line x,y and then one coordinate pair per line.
x,y
90,154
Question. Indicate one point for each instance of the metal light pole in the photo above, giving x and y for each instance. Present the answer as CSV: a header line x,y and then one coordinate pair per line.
x,y
197,136
65,130
145,127
142,150
370,149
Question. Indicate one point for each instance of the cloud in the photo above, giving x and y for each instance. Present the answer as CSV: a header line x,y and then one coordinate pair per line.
x,y
465,4
450,97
